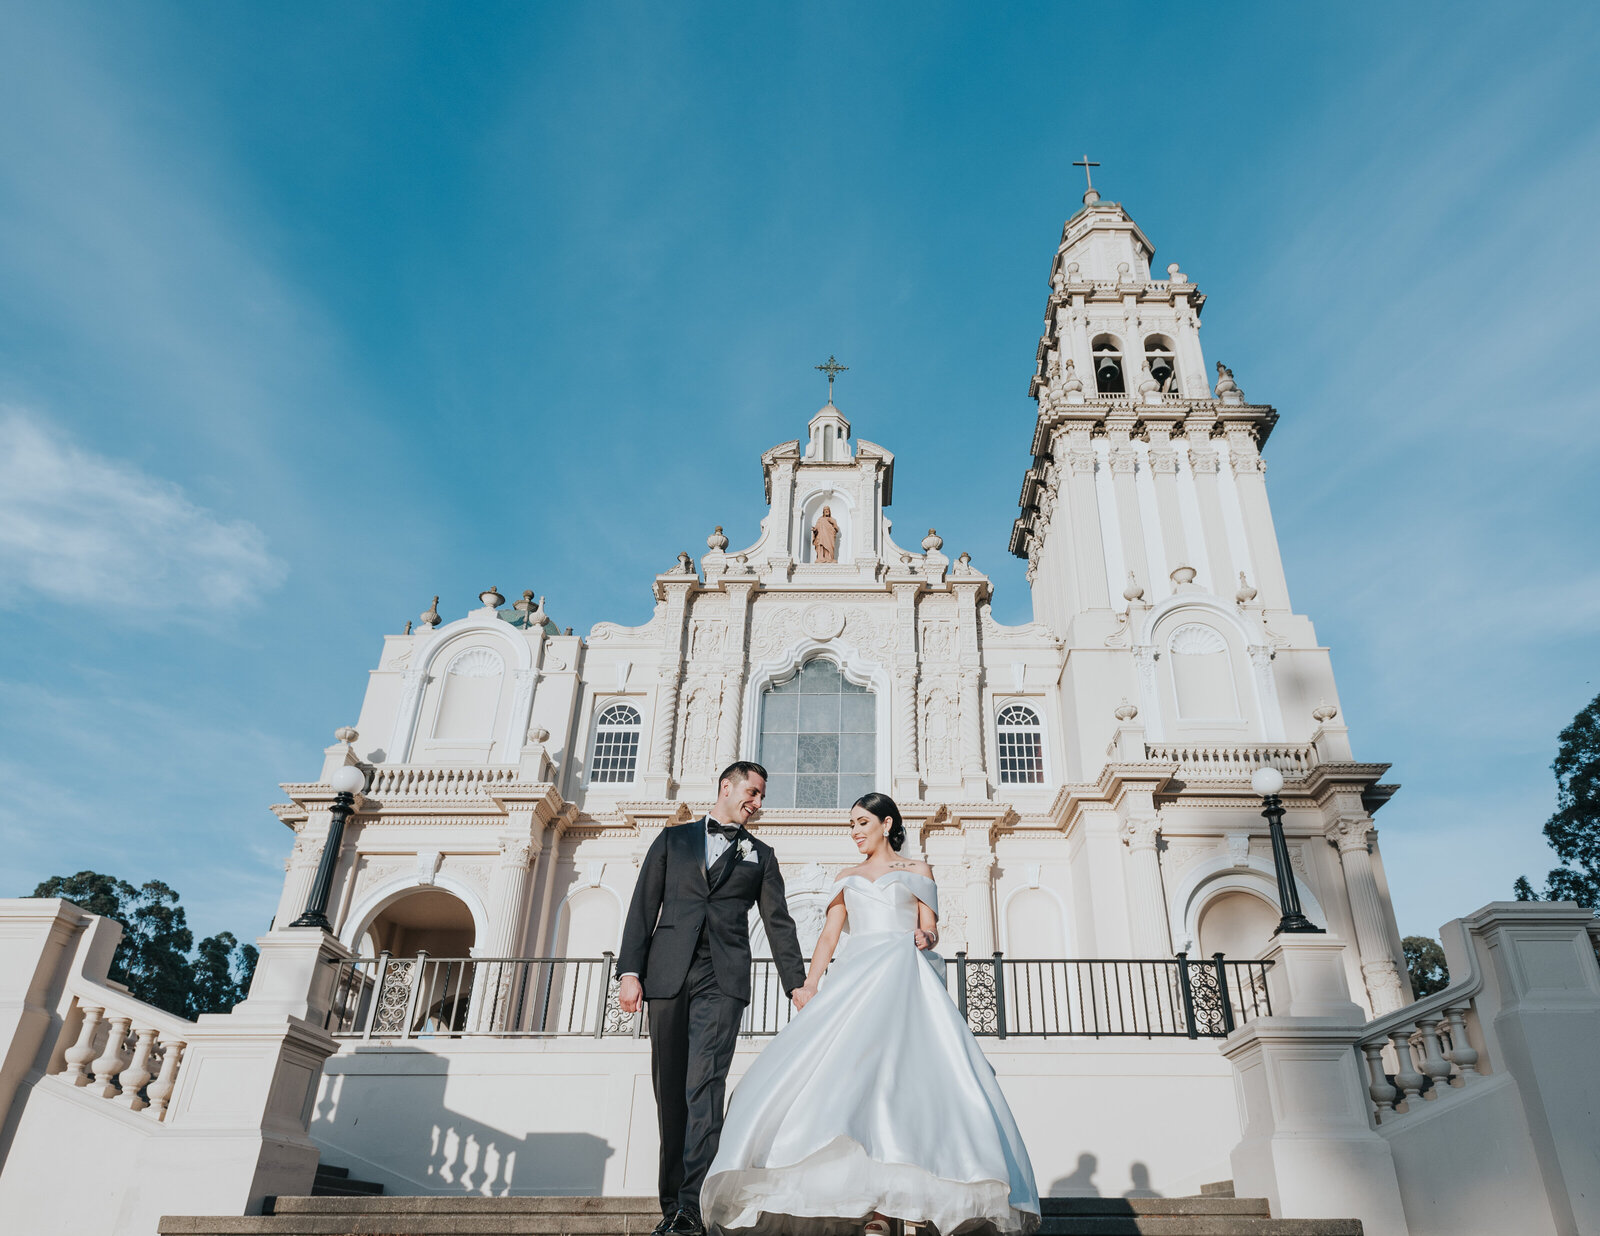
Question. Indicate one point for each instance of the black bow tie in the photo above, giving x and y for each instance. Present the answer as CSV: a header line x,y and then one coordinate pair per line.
x,y
730,831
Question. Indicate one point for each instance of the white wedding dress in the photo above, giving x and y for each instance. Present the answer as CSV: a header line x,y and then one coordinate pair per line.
x,y
875,1097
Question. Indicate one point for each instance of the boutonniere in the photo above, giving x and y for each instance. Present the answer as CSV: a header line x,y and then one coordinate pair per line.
x,y
744,848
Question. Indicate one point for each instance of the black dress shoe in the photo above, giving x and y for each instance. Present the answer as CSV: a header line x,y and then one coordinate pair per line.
x,y
687,1223
665,1226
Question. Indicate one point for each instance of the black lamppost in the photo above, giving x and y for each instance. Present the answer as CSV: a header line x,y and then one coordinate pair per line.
x,y
347,782
1266,782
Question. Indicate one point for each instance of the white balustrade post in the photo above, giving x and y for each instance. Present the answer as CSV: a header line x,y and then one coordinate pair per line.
x,y
83,1051
1406,1075
137,1072
113,1059
1434,1066
160,1090
1462,1054
1539,1009
1308,1146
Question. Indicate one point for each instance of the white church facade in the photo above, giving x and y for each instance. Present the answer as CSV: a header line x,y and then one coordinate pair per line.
x,y
1080,785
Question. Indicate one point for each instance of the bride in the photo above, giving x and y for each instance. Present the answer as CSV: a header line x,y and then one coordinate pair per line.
x,y
875,1102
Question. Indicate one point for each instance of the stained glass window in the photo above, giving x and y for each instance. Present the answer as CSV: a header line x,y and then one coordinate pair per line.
x,y
819,738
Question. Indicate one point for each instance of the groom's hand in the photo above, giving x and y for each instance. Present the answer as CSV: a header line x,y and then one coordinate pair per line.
x,y
630,995
802,996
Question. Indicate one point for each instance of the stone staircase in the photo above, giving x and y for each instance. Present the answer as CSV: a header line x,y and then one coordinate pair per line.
x,y
373,1215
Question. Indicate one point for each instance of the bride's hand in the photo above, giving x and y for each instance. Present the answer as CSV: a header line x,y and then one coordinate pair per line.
x,y
802,996
925,939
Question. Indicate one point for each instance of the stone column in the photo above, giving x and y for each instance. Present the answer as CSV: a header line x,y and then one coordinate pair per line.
x,y
509,885
301,868
663,725
979,872
405,725
975,783
1249,481
1352,833
1204,462
1088,536
729,727
1147,902
1124,461
1164,471
907,780
521,715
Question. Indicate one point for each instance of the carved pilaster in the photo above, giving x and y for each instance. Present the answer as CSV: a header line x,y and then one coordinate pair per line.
x,y
1352,835
1147,905
405,724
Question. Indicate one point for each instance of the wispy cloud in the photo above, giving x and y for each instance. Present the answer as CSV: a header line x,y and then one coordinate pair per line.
x,y
75,525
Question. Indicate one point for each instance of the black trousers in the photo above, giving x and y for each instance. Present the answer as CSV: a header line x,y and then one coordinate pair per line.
x,y
692,1035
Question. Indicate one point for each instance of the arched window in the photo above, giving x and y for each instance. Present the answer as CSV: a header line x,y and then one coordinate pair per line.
x,y
1163,368
1020,745
616,744
819,738
1108,378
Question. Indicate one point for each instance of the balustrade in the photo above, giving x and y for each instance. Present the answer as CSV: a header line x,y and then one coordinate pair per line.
x,y
1423,1052
439,780
128,1055
1233,761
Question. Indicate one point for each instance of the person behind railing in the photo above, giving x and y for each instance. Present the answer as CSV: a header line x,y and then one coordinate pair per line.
x,y
875,1102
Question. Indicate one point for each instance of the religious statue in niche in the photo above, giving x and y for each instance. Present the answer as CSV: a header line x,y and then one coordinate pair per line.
x,y
825,537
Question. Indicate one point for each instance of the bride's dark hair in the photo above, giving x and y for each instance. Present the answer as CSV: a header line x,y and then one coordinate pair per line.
x,y
882,806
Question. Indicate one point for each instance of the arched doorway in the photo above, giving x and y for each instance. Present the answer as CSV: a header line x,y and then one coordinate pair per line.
x,y
431,921
1237,924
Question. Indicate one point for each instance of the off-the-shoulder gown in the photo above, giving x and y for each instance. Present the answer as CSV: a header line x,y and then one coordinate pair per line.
x,y
875,1097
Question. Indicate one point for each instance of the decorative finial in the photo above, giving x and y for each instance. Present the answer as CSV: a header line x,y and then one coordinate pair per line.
x,y
1246,593
717,541
685,564
1183,576
932,541
346,733
1134,591
1090,197
430,616
407,631
1227,389
492,598
1125,711
832,368
1324,711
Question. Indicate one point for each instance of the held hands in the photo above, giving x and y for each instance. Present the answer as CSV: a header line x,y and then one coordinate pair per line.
x,y
802,996
925,939
630,994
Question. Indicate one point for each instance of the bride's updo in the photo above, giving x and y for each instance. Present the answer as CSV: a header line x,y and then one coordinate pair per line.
x,y
882,806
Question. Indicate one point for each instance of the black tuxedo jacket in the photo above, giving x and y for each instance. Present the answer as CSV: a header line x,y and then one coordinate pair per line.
x,y
676,897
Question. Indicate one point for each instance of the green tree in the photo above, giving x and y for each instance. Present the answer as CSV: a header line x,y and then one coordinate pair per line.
x,y
1425,964
222,970
1574,830
153,959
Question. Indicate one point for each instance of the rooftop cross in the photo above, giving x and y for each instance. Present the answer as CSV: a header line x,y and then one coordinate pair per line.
x,y
832,368
1086,165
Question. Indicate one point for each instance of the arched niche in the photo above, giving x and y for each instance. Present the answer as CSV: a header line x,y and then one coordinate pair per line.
x,y
1223,875
1033,923
842,507
1236,922
588,923
1202,680
406,917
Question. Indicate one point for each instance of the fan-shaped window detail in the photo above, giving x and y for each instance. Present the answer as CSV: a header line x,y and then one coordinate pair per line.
x,y
1202,674
616,744
1020,745
470,697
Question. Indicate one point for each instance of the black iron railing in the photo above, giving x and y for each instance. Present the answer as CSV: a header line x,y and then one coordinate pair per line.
x,y
388,997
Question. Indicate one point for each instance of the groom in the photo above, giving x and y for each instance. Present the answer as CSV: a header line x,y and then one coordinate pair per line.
x,y
686,949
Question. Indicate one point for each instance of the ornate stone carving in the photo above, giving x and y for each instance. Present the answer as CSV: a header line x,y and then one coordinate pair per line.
x,y
1081,460
517,853
867,634
1124,459
1140,833
939,733
699,731
705,639
822,621
938,640
773,631
1197,639
1163,461
1204,460
1350,833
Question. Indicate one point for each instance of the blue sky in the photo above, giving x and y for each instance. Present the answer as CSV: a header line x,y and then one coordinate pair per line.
x,y
309,312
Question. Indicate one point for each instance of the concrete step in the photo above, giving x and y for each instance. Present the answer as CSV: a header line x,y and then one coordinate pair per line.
x,y
1220,1188
333,1181
615,1216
